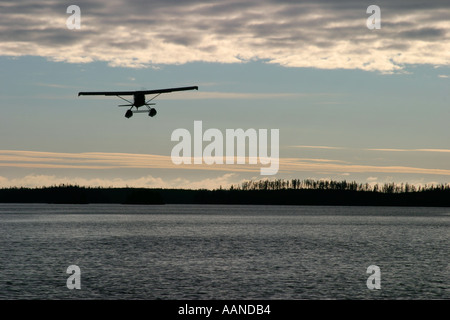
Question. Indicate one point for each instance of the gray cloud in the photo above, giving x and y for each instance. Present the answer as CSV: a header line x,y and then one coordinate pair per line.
x,y
290,33
424,34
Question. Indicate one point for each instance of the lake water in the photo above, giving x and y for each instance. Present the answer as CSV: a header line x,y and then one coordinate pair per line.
x,y
223,252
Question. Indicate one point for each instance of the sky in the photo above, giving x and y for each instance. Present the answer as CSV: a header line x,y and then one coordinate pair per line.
x,y
350,102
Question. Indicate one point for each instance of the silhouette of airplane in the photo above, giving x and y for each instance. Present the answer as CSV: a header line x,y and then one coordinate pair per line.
x,y
139,98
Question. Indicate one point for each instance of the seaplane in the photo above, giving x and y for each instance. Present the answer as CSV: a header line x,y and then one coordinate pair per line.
x,y
138,98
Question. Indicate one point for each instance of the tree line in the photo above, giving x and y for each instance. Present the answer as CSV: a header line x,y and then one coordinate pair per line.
x,y
309,184
262,192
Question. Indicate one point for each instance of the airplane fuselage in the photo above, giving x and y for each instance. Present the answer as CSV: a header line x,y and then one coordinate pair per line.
x,y
139,100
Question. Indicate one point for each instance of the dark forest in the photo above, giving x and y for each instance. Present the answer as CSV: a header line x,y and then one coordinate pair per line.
x,y
264,192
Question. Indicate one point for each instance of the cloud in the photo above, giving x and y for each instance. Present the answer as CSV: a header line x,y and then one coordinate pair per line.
x,y
413,150
319,34
103,161
316,147
40,180
296,165
93,160
376,149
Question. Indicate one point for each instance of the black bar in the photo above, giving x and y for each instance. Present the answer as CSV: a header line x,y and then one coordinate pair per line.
x,y
225,309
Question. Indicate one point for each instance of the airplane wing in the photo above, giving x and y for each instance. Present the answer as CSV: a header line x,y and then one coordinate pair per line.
x,y
130,93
